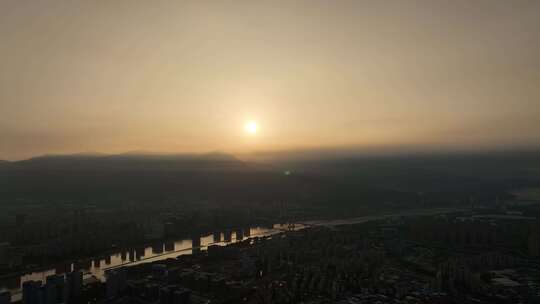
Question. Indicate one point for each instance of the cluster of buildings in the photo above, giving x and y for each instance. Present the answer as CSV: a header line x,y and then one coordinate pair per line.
x,y
39,235
56,289
455,258
47,236
375,262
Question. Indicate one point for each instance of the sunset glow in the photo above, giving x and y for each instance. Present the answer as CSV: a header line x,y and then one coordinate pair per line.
x,y
185,76
251,127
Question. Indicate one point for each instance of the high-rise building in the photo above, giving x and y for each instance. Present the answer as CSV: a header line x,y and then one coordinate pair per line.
x,y
217,237
116,282
32,293
74,281
239,235
5,297
227,236
54,289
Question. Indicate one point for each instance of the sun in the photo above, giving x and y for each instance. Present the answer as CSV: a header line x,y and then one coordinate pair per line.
x,y
251,127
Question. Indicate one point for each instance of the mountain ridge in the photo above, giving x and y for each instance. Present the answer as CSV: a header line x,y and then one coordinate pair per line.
x,y
126,161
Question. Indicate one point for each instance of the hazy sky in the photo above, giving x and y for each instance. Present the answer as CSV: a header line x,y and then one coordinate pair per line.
x,y
185,76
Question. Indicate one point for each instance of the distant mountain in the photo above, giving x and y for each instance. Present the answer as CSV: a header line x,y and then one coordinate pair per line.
x,y
138,176
445,176
128,161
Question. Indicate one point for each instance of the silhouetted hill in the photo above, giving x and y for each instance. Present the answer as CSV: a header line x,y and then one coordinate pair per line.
x,y
4,164
331,181
129,161
447,176
154,177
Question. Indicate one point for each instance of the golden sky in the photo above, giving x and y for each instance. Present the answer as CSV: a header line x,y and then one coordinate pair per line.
x,y
185,76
